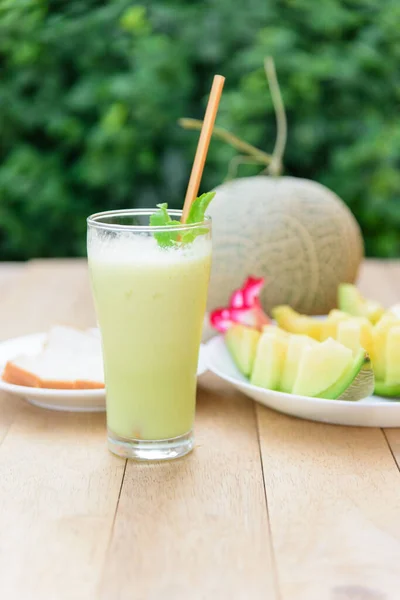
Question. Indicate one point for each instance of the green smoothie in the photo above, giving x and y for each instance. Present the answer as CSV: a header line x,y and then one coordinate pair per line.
x,y
150,302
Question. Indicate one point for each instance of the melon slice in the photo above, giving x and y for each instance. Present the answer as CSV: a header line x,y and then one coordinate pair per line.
x,y
391,391
357,381
386,356
328,329
393,357
355,333
320,367
338,315
269,361
296,346
275,329
349,335
242,343
331,324
294,322
352,302
299,364
318,329
379,337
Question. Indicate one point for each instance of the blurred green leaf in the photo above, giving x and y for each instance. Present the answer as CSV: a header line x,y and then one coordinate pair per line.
x,y
134,20
90,94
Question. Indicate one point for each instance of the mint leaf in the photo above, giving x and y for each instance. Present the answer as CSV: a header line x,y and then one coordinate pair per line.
x,y
196,215
197,211
161,218
199,207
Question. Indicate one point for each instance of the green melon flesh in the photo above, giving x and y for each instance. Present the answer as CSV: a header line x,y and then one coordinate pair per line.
x,y
355,333
379,354
318,329
242,344
320,367
382,389
294,322
393,357
297,344
352,302
349,335
336,315
356,383
269,361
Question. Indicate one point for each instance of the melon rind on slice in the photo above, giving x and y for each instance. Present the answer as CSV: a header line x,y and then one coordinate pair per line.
x,y
320,367
297,364
391,391
356,383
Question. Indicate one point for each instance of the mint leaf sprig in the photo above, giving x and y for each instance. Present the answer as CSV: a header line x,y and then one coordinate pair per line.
x,y
161,218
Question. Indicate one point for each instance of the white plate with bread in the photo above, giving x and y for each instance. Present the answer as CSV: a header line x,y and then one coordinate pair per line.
x,y
59,370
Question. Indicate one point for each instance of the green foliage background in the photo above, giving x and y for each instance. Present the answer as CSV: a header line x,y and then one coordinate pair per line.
x,y
90,94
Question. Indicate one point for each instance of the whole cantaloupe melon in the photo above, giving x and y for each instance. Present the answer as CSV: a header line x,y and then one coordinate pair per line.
x,y
296,233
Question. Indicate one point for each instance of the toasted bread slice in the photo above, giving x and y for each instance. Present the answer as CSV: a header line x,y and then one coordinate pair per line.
x,y
70,360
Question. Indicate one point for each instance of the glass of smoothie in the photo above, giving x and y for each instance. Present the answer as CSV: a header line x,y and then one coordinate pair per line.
x,y
150,299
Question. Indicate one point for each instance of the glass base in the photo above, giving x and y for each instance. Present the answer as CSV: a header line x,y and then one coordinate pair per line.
x,y
151,450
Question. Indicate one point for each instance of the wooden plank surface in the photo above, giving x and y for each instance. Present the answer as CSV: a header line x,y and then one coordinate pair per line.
x,y
50,291
334,504
58,485
197,528
76,522
9,273
381,280
58,493
334,495
189,522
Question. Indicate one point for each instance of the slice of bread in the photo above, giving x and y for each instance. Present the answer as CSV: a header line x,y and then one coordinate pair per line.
x,y
71,360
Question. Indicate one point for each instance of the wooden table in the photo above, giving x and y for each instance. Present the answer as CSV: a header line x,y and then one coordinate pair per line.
x,y
268,507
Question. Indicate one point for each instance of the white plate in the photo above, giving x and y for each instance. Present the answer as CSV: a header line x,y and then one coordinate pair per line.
x,y
68,400
371,412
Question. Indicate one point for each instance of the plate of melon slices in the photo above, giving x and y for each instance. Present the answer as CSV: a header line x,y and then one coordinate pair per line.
x,y
318,368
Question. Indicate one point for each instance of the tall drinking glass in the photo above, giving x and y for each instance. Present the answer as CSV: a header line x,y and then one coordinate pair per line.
x,y
150,300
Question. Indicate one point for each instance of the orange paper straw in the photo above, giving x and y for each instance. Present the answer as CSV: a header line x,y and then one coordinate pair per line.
x,y
203,144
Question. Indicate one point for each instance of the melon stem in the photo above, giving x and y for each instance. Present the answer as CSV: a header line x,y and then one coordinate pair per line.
x,y
276,164
274,161
231,139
